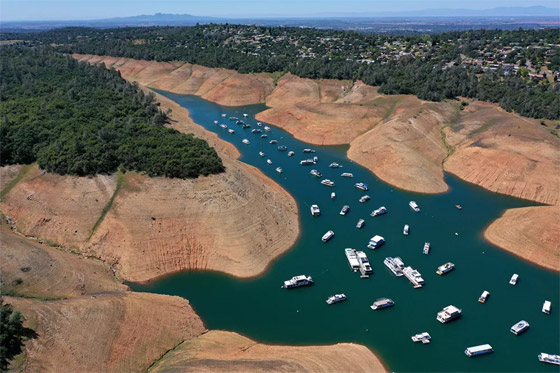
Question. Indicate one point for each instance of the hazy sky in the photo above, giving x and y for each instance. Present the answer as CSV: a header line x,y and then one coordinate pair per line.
x,y
11,10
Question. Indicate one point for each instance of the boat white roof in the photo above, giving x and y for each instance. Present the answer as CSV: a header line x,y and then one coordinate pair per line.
x,y
484,347
451,310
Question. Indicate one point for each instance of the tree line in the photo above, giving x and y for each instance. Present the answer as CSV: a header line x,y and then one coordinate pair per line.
x,y
74,118
435,74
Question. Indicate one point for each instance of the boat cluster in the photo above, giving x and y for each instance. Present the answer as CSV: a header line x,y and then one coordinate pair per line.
x,y
359,261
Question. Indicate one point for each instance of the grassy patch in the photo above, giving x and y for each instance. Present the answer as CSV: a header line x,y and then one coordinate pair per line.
x,y
24,170
484,127
121,184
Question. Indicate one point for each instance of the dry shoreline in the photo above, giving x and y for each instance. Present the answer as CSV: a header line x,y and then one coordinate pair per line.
x,y
406,142
87,320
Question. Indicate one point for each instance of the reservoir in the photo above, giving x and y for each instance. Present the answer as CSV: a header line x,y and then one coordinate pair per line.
x,y
259,309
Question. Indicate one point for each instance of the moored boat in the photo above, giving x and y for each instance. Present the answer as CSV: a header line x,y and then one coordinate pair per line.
x,y
306,162
282,148
364,198
422,337
267,128
478,350
347,174
520,327
256,130
426,249
413,205
268,161
448,314
273,142
291,153
360,223
361,186
546,307
308,151
327,236
315,210
223,126
445,268
245,141
375,242
396,265
315,159
336,298
513,279
406,230
484,296
316,173
298,281
345,209
327,182
333,195
334,165
382,303
215,122
231,131
380,211
264,136
262,154
413,276
279,170
549,358
352,259
365,267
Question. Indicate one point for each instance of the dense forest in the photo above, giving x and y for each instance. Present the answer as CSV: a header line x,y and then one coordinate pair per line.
x,y
74,118
428,66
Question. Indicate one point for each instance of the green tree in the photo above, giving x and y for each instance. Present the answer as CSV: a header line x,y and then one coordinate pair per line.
x,y
12,334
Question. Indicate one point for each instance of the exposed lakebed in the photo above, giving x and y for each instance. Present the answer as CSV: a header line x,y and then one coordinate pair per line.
x,y
258,308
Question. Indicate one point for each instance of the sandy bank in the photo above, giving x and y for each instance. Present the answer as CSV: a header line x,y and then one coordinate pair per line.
x,y
219,351
533,233
32,269
225,87
235,222
111,332
405,141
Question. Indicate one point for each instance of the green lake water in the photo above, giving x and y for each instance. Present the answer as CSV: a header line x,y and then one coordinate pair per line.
x,y
259,309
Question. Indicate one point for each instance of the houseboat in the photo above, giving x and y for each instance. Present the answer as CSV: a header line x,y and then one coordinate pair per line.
x,y
413,205
352,259
448,314
327,236
361,186
484,296
336,298
396,265
382,303
315,210
345,210
519,327
478,350
298,281
445,268
380,211
360,223
375,242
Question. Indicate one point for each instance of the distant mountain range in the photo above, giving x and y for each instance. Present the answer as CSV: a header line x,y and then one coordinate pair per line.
x,y
527,17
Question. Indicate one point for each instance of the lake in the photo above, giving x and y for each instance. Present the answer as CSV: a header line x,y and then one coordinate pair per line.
x,y
259,309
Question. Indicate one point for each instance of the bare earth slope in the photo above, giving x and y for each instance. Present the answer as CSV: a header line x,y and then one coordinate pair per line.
x,y
219,351
225,87
403,140
531,233
34,270
111,332
235,222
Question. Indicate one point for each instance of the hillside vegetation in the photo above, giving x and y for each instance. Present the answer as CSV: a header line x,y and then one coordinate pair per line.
x,y
517,69
75,118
